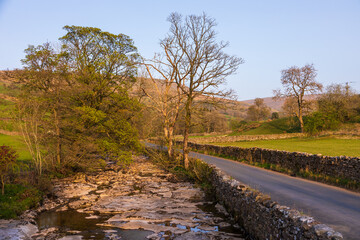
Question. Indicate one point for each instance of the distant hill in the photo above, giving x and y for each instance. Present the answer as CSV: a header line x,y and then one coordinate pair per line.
x,y
270,102
277,104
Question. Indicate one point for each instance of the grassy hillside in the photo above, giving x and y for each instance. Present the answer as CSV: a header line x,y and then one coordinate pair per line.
x,y
278,126
18,144
325,145
7,107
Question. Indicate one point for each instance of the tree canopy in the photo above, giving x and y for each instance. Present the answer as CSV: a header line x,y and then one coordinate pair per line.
x,y
83,89
200,62
296,83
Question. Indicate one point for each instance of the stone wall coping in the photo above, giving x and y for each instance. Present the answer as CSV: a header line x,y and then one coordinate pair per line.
x,y
299,221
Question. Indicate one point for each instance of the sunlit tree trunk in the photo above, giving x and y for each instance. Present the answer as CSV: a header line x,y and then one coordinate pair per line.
x,y
186,132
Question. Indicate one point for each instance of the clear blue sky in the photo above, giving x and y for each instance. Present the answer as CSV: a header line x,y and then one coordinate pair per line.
x,y
269,35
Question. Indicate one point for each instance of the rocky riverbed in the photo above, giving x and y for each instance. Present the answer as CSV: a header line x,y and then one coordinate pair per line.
x,y
140,202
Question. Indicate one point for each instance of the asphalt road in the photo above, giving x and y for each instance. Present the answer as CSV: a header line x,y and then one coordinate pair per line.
x,y
333,206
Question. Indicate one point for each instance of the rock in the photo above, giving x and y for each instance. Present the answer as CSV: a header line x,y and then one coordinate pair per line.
x,y
79,204
207,228
224,225
142,197
193,236
324,231
72,237
92,217
15,229
221,209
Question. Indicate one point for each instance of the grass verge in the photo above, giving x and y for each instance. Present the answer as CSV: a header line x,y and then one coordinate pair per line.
x,y
327,146
17,143
306,174
198,172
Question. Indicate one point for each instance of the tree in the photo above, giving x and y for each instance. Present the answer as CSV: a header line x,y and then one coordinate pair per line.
x,y
339,101
213,121
202,63
45,79
103,67
164,94
337,105
84,88
31,115
289,108
258,111
274,115
8,158
297,82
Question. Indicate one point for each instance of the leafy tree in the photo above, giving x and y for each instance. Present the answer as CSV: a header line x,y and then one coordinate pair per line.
x,y
82,89
297,82
45,79
103,66
318,121
339,101
8,158
236,124
337,105
203,64
274,115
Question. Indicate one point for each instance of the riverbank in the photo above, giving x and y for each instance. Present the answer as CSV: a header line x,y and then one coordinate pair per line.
x,y
139,202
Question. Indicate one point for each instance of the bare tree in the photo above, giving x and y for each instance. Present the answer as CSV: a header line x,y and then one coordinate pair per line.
x,y
30,116
202,65
297,82
258,111
164,94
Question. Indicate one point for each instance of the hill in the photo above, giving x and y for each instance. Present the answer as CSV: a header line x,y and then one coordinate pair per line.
x,y
277,104
278,126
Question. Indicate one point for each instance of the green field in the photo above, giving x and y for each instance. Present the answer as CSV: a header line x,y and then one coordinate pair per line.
x,y
206,136
18,144
326,145
278,126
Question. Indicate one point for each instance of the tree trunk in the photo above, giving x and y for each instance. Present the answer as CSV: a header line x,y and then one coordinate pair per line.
x,y
301,123
58,139
300,109
300,116
186,132
168,131
2,185
170,142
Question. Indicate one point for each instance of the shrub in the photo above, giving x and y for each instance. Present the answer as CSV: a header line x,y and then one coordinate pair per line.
x,y
8,158
317,122
275,115
17,199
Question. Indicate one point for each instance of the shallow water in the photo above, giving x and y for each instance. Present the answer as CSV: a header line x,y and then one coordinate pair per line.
x,y
71,220
211,209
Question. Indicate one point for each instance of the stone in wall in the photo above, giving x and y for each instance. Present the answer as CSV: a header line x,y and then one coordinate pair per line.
x,y
263,218
336,167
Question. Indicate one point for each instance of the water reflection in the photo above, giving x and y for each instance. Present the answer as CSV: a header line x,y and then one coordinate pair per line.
x,y
71,222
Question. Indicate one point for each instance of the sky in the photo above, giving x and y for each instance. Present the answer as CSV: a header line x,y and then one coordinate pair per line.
x,y
269,35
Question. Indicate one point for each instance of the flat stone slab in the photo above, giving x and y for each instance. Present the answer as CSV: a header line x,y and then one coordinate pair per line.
x,y
139,199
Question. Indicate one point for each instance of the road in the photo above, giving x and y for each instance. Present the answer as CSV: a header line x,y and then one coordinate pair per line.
x,y
333,206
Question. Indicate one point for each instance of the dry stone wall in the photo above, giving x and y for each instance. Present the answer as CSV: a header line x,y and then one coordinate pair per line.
x,y
263,218
221,139
345,168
